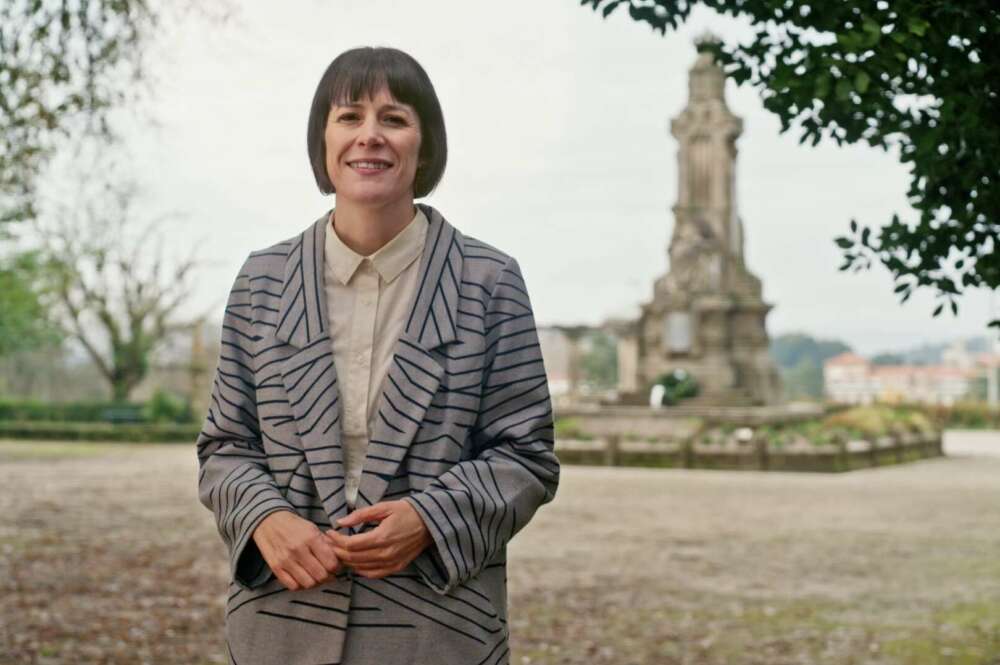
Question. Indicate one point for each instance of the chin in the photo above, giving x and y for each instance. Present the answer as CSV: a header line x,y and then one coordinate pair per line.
x,y
369,198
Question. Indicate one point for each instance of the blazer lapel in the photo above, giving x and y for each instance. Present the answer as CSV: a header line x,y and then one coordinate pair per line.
x,y
415,374
309,374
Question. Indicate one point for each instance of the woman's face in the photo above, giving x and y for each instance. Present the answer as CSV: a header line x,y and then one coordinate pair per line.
x,y
372,149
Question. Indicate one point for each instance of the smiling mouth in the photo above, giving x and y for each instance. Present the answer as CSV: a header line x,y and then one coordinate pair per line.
x,y
369,165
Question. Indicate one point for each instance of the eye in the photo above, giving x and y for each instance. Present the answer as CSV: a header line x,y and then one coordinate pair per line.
x,y
396,119
347,116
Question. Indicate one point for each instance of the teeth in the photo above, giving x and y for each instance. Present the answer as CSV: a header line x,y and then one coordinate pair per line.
x,y
370,165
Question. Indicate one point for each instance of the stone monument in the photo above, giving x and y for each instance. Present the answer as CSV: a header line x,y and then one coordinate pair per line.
x,y
707,316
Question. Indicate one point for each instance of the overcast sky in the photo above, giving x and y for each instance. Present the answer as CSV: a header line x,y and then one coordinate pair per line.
x,y
559,154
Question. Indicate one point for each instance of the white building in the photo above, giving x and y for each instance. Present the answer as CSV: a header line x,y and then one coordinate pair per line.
x,y
851,379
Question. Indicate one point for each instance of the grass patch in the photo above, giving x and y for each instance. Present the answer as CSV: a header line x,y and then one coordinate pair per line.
x,y
712,629
963,634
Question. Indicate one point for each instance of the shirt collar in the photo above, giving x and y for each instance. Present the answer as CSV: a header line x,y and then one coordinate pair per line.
x,y
390,259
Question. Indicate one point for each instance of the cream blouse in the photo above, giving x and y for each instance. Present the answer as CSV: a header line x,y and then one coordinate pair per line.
x,y
368,300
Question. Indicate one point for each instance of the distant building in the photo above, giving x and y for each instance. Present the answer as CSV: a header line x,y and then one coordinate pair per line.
x,y
847,379
556,351
851,379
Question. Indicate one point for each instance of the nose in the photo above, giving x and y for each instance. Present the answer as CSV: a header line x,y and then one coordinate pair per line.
x,y
370,134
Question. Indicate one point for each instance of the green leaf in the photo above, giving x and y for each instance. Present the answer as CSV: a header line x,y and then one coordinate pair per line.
x,y
843,89
854,226
873,31
844,243
822,85
610,7
849,41
917,26
937,310
901,287
861,80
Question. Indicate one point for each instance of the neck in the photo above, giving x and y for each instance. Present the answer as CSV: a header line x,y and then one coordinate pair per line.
x,y
365,229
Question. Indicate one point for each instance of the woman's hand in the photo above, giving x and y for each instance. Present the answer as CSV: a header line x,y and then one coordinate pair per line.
x,y
296,550
388,548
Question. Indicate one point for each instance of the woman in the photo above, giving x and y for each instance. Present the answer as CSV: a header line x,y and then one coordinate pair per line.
x,y
380,424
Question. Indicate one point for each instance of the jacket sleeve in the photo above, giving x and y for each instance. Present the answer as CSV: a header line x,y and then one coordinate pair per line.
x,y
234,480
476,507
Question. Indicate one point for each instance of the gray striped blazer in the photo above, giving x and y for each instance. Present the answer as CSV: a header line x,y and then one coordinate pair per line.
x,y
464,433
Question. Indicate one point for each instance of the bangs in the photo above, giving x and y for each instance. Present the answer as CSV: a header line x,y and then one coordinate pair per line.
x,y
357,80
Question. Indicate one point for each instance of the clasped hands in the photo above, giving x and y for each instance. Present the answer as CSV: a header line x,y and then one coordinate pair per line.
x,y
301,556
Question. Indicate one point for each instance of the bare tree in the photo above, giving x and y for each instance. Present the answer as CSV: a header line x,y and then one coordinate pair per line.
x,y
65,66
115,290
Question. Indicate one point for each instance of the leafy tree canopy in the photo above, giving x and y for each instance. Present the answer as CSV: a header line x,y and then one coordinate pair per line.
x,y
792,349
25,323
923,77
888,359
63,66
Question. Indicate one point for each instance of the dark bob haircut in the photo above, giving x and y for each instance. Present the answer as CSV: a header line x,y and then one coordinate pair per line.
x,y
363,71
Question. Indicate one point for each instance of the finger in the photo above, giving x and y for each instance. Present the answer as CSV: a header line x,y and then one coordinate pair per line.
x,y
338,543
395,558
347,557
300,574
358,517
317,571
367,514
367,560
322,549
336,538
286,580
368,556
366,546
376,538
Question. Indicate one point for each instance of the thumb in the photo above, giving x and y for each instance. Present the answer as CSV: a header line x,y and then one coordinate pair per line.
x,y
366,514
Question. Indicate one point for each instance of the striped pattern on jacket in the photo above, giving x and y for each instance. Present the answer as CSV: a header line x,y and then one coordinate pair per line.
x,y
464,433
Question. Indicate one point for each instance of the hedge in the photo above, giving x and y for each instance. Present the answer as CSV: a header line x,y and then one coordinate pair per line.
x,y
162,407
131,433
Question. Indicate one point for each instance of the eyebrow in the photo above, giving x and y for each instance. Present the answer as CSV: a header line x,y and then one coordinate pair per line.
x,y
385,107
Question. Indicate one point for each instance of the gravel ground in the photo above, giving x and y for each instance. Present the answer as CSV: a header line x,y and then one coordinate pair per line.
x,y
106,556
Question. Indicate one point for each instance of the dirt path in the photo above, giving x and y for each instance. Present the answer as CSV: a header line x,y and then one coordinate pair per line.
x,y
106,556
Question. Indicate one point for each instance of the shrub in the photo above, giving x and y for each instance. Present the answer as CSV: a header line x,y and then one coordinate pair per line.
x,y
964,415
81,412
569,428
129,433
165,407
678,385
869,421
